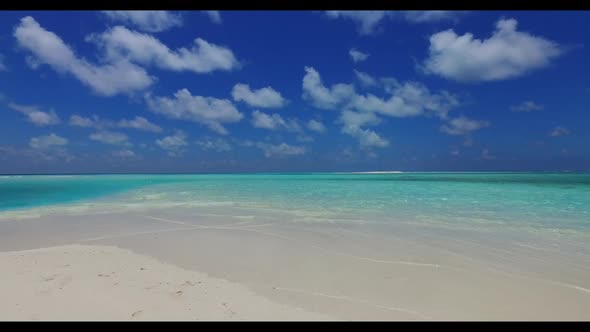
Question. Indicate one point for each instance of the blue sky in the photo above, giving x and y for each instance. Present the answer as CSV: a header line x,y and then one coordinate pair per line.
x,y
241,91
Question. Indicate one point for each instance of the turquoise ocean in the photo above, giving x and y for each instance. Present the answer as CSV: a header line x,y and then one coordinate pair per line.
x,y
550,201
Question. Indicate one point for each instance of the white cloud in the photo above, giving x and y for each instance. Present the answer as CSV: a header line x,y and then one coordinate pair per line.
x,y
304,138
357,56
425,16
273,122
147,20
463,126
367,21
36,116
43,142
365,79
407,99
209,111
80,121
321,96
367,137
214,16
352,123
106,79
49,153
110,137
174,144
124,153
316,126
139,123
263,120
120,43
508,53
560,131
264,97
359,119
215,144
282,149
527,106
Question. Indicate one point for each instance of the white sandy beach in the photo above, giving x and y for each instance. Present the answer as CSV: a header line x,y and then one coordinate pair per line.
x,y
79,282
177,264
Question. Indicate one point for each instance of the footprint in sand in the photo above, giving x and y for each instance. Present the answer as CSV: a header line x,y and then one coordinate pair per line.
x,y
138,312
64,281
51,277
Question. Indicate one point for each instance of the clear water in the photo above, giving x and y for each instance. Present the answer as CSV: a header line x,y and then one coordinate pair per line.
x,y
559,201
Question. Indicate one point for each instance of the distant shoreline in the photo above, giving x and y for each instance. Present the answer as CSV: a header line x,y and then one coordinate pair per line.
x,y
287,173
371,172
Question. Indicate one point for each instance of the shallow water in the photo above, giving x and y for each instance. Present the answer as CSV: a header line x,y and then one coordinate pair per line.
x,y
548,201
446,245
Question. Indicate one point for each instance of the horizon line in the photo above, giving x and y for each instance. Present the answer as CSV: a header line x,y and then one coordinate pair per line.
x,y
270,173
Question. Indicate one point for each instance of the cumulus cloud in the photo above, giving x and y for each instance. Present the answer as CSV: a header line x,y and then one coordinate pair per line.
x,y
80,121
51,153
36,116
527,106
303,138
560,131
282,149
146,20
426,16
110,137
367,137
273,122
215,144
316,126
214,16
321,96
174,144
139,123
265,97
365,79
358,119
107,79
508,53
357,56
263,120
463,126
120,43
352,123
42,142
357,110
407,99
368,21
208,111
124,153
145,49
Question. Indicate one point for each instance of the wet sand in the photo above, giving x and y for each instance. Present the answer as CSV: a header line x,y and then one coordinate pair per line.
x,y
264,268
